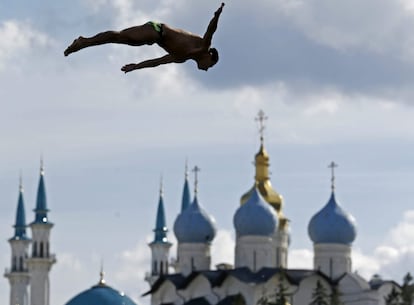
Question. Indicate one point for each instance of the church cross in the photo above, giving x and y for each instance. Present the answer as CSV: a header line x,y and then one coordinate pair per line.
x,y
332,166
261,118
196,170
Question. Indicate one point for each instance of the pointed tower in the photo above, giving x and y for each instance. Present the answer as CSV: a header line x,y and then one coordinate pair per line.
x,y
195,229
18,275
264,186
332,231
41,260
160,246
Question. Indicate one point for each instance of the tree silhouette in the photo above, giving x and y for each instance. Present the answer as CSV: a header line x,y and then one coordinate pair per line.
x,y
407,290
393,298
335,300
319,295
281,294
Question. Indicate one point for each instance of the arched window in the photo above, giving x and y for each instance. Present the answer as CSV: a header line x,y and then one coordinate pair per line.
x,y
34,249
14,263
161,268
41,250
21,267
154,269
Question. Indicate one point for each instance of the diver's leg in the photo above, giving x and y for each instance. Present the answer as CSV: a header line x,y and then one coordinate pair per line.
x,y
134,36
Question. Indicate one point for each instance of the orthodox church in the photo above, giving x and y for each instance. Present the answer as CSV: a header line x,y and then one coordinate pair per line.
x,y
260,273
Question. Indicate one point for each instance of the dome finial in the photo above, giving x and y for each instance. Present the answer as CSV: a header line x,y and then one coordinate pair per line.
x,y
102,275
261,118
332,166
21,182
196,170
161,185
42,168
186,168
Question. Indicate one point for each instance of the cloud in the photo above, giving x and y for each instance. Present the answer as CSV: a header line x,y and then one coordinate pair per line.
x,y
300,259
394,257
18,37
133,265
222,249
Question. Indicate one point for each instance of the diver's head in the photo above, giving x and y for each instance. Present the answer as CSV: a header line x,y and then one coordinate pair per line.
x,y
208,60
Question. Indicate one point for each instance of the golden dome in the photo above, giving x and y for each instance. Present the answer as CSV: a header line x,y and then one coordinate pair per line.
x,y
262,182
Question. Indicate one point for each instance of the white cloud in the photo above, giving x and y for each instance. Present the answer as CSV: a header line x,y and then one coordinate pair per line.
x,y
130,274
222,249
394,257
17,37
300,259
351,24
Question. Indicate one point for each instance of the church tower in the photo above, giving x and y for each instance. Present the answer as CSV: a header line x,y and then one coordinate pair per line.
x,y
41,260
262,183
160,246
18,275
195,229
332,231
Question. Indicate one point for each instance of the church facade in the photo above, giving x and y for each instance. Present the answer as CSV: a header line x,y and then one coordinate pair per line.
x,y
260,273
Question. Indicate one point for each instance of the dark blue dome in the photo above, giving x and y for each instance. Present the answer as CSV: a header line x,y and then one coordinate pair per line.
x,y
332,225
255,217
194,225
101,294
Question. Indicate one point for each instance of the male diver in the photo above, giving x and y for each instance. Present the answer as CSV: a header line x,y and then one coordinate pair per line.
x,y
179,44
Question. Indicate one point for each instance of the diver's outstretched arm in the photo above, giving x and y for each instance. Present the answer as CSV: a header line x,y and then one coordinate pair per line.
x,y
167,59
212,27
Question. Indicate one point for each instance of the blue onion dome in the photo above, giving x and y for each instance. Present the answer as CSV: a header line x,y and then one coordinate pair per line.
x,y
332,225
255,217
194,225
101,294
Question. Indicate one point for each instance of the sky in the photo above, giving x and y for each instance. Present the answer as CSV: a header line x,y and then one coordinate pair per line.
x,y
333,77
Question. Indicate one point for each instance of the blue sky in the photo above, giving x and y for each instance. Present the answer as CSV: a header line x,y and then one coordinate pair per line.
x,y
334,78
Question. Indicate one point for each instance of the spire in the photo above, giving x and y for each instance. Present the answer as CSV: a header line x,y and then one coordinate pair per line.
x,y
160,223
186,198
20,224
332,166
41,203
102,281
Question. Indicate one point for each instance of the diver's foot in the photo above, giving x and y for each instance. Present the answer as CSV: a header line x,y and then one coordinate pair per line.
x,y
75,46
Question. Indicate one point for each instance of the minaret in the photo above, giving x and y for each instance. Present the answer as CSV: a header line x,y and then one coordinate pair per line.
x,y
18,274
264,186
160,246
41,260
195,229
332,231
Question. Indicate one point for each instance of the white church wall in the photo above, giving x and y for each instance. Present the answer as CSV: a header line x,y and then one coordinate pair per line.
x,y
166,294
303,293
232,286
199,287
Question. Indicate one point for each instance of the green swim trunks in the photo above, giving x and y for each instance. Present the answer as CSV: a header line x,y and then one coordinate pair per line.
x,y
157,26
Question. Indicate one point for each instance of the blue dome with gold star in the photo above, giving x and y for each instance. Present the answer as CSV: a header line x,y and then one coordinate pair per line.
x,y
332,225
